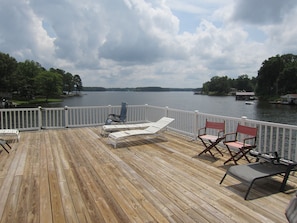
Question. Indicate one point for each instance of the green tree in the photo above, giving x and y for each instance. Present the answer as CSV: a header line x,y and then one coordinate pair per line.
x,y
68,82
49,84
222,85
77,83
205,87
219,85
288,79
244,83
277,76
268,75
25,74
8,66
25,78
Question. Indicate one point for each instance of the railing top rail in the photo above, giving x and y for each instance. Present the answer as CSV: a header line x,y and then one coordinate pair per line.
x,y
80,107
219,116
18,109
272,124
52,109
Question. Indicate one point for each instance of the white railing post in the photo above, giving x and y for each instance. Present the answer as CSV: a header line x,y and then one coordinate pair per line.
x,y
109,109
166,111
66,116
145,112
40,117
243,120
196,125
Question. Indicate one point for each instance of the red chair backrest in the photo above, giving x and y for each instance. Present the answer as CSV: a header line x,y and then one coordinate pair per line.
x,y
215,125
246,130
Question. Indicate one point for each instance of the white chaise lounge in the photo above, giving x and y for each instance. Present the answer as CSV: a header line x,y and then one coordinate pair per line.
x,y
112,128
153,129
10,132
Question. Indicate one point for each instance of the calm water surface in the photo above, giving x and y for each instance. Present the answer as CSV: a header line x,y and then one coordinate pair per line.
x,y
226,106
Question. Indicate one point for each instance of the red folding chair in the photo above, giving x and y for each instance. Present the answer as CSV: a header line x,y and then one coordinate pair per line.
x,y
211,135
241,142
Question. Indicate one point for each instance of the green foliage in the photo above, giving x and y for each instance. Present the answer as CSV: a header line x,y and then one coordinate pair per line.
x,y
77,83
244,83
49,84
24,78
7,70
36,101
277,76
223,85
68,80
29,79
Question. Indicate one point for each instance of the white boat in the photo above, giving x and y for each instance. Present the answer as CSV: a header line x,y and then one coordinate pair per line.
x,y
249,103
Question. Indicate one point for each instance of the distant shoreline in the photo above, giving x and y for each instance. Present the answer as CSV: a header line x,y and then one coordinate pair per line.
x,y
142,89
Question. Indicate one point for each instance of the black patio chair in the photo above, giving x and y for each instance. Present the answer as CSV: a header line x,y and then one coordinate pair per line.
x,y
268,165
121,118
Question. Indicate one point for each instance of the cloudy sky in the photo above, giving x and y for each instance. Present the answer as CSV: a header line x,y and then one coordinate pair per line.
x,y
135,43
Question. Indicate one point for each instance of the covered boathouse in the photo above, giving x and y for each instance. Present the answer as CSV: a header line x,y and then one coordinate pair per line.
x,y
244,96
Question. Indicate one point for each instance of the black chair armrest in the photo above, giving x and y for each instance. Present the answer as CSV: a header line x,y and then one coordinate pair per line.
x,y
230,134
113,115
199,131
287,162
254,153
270,156
249,138
221,134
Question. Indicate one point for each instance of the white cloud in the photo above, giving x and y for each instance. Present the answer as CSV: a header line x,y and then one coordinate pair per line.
x,y
132,43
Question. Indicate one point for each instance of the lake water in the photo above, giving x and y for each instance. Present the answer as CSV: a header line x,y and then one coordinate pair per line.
x,y
218,105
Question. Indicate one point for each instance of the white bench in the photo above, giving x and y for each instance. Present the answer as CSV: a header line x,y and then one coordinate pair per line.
x,y
10,132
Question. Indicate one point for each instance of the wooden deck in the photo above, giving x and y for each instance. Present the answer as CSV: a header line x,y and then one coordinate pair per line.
x,y
73,175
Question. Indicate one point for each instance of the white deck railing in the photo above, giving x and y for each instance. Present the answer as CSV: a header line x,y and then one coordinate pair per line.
x,y
271,136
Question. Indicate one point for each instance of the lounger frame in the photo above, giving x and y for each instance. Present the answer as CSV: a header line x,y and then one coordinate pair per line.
x,y
10,132
251,172
153,130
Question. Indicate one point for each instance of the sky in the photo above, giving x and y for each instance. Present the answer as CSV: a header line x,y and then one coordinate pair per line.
x,y
139,43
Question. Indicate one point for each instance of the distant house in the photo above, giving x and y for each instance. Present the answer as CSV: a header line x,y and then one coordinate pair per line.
x,y
244,96
290,99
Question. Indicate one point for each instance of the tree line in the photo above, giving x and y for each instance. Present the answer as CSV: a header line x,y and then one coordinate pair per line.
x,y
277,76
28,79
224,85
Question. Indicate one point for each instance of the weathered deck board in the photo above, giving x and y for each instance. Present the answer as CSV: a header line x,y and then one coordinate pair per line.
x,y
73,175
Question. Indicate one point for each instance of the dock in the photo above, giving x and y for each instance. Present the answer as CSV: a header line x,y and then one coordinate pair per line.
x,y
74,175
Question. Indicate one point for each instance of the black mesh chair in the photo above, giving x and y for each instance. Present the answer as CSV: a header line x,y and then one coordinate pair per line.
x,y
121,118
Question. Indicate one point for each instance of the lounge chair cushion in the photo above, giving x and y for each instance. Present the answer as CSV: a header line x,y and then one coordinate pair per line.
x,y
112,128
252,171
